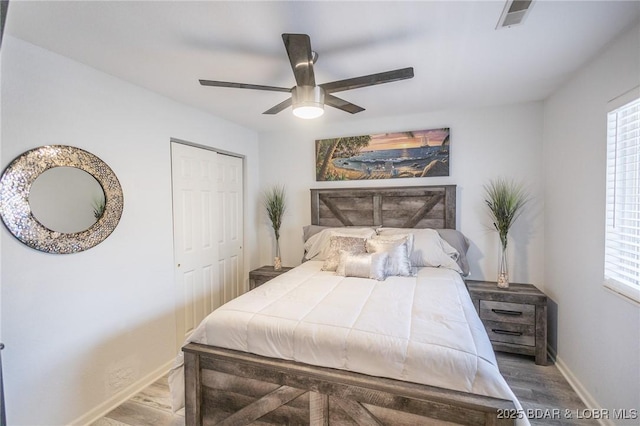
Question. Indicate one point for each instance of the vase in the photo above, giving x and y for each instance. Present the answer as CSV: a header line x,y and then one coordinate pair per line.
x,y
277,262
503,270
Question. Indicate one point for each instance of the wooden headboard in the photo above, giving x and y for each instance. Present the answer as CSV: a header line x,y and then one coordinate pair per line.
x,y
398,207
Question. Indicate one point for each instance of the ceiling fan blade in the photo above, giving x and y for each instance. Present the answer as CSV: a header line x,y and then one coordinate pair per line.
x,y
368,80
301,57
336,102
243,86
281,106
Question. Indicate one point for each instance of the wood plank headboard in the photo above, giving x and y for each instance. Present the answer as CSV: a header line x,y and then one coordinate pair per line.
x,y
398,207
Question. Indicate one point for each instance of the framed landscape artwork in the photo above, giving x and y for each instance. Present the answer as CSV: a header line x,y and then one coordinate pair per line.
x,y
419,153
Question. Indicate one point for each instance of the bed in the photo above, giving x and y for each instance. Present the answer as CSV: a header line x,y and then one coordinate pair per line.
x,y
320,347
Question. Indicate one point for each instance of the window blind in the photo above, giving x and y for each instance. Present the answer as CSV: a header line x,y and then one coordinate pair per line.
x,y
622,238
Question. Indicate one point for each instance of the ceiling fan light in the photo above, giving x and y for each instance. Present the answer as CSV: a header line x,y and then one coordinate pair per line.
x,y
308,112
308,101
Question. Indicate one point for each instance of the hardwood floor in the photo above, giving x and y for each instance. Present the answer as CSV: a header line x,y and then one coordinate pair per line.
x,y
151,407
542,391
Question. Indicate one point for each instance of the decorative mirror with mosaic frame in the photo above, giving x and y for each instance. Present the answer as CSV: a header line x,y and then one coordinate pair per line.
x,y
16,188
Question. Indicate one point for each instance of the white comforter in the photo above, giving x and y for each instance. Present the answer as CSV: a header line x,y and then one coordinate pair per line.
x,y
423,329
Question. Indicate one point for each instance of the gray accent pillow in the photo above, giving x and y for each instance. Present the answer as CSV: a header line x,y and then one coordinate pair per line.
x,y
459,242
311,230
317,247
354,245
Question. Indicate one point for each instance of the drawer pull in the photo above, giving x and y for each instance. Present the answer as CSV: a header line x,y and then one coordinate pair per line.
x,y
510,333
505,312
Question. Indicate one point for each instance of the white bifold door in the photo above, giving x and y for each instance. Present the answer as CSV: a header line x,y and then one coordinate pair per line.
x,y
207,229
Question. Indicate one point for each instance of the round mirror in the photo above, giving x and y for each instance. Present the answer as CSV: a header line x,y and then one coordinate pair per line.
x,y
43,190
66,199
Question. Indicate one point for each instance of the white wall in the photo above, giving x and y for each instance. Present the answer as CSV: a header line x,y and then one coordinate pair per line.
x,y
485,143
598,332
1,162
80,328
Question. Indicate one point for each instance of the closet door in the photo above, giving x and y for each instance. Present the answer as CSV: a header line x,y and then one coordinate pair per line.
x,y
207,228
230,225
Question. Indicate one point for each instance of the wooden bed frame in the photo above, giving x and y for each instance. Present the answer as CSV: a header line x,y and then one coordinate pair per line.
x,y
227,387
403,207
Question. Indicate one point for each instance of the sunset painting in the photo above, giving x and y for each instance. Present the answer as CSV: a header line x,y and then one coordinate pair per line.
x,y
419,153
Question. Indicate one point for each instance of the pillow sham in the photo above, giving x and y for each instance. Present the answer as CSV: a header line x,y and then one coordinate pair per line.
x,y
429,249
458,241
318,245
368,265
311,230
354,245
398,262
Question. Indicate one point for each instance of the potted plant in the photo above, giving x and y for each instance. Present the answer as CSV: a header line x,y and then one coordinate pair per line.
x,y
505,200
275,205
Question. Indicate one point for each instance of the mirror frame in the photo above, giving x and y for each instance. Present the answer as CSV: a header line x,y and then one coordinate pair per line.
x,y
15,185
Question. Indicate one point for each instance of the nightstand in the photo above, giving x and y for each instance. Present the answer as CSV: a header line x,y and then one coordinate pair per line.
x,y
515,318
259,276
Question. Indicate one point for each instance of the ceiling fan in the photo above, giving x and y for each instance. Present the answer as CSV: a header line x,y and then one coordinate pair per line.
x,y
307,98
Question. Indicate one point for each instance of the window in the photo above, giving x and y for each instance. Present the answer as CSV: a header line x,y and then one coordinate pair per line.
x,y
622,238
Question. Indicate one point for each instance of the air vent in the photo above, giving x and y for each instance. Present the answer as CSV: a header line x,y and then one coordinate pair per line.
x,y
514,13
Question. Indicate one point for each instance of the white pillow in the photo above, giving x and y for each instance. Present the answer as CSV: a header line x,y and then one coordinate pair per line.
x,y
317,246
368,265
429,249
398,262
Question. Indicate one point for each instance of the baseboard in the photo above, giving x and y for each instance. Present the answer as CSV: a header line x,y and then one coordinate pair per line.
x,y
580,390
125,394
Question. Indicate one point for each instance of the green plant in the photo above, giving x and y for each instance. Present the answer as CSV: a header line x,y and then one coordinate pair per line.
x,y
275,203
505,200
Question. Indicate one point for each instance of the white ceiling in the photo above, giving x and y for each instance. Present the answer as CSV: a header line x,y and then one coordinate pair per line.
x,y
459,59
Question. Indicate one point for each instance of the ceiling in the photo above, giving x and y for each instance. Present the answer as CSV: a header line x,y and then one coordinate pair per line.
x,y
459,58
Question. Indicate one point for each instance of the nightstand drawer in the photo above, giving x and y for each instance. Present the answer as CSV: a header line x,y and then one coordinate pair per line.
x,y
515,318
514,313
506,332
